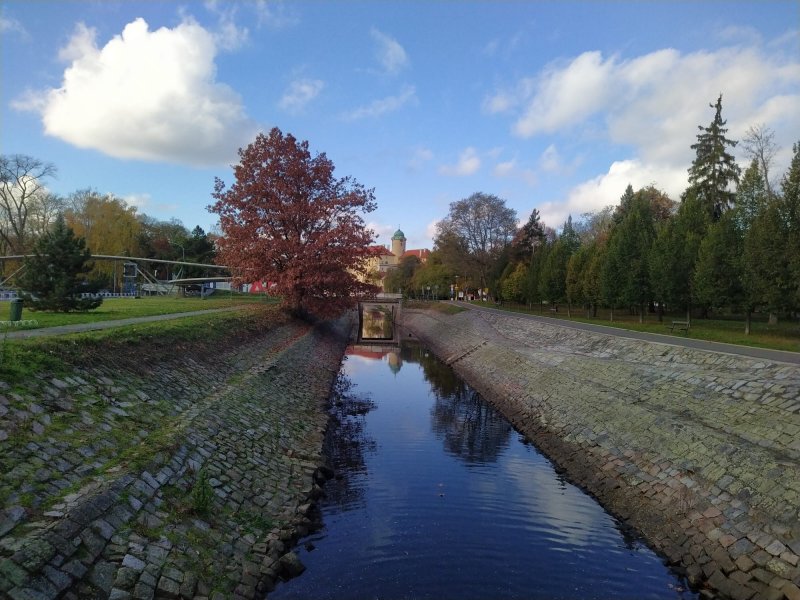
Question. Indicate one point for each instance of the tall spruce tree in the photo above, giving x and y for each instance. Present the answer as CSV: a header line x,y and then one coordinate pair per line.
x,y
55,275
714,168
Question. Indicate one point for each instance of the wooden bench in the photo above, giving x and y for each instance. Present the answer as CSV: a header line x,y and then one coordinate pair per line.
x,y
680,325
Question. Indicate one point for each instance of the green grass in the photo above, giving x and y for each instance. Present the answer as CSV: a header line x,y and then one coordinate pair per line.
x,y
442,307
124,308
783,336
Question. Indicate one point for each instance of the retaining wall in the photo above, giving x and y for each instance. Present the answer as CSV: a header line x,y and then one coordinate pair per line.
x,y
100,470
700,451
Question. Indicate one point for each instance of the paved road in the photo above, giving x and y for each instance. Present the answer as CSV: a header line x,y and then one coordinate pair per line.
x,y
81,327
762,353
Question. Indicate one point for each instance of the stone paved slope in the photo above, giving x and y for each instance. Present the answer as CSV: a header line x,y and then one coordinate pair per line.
x,y
698,450
187,479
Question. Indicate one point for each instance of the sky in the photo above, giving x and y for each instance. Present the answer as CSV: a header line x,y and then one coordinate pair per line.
x,y
550,105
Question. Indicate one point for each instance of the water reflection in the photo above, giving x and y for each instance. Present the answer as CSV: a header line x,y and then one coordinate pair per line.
x,y
436,497
377,322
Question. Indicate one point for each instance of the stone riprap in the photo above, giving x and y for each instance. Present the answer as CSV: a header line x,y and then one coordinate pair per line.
x,y
700,451
190,478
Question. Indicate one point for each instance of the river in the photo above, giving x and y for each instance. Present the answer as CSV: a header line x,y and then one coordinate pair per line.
x,y
437,496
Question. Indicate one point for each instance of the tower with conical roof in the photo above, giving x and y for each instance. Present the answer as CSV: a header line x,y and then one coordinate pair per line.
x,y
398,245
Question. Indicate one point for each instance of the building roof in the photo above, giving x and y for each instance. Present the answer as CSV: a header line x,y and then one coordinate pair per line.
x,y
420,253
399,235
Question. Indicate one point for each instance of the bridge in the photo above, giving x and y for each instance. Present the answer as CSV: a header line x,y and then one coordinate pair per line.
x,y
377,317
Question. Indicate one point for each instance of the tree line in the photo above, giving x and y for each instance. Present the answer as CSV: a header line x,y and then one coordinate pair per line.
x,y
731,243
107,224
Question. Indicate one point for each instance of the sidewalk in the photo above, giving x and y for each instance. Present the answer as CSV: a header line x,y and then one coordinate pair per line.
x,y
81,327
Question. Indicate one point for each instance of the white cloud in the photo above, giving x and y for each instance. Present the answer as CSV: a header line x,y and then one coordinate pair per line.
x,y
421,156
550,160
389,53
299,94
9,25
605,189
655,102
228,36
468,163
274,14
384,105
144,201
147,95
509,169
382,232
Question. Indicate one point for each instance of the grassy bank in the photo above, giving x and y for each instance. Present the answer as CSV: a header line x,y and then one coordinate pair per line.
x,y
782,336
125,308
142,344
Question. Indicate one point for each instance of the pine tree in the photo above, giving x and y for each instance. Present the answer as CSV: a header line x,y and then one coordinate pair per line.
x,y
713,168
54,276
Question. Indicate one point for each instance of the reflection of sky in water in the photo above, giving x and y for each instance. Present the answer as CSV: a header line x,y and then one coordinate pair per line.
x,y
451,503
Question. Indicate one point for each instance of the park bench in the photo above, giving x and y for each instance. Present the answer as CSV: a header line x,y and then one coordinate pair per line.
x,y
680,325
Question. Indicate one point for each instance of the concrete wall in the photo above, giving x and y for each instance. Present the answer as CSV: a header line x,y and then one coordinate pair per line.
x,y
100,468
698,450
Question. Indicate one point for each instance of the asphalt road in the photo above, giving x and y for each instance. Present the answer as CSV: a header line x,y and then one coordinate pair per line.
x,y
687,342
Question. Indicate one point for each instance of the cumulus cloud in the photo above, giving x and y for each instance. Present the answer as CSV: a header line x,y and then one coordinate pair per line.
x,y
652,105
299,94
389,53
655,101
149,95
379,107
605,189
468,163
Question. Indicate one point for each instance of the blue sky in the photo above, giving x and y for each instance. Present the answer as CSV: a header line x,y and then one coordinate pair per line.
x,y
548,105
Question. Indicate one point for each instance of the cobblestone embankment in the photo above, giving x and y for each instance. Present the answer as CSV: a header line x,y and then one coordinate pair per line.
x,y
700,451
187,479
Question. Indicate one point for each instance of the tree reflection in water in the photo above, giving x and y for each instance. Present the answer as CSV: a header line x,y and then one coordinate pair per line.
x,y
470,428
346,443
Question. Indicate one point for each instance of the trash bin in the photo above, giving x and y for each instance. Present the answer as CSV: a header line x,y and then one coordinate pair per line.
x,y
16,309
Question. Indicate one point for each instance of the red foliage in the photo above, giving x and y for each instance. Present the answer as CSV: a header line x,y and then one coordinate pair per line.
x,y
287,220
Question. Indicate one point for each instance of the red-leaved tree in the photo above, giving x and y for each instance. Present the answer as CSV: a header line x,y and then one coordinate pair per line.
x,y
288,221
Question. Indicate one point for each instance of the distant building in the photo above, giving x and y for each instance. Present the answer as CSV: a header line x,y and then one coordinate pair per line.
x,y
384,259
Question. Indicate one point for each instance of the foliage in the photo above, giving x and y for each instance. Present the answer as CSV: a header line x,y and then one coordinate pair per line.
x,y
474,233
54,276
202,494
514,285
718,276
288,221
714,168
674,253
553,275
400,277
25,206
626,273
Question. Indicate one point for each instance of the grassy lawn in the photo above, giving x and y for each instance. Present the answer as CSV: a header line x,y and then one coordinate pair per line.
x,y
783,336
124,308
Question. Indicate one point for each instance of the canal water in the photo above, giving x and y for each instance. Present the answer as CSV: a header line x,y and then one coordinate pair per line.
x,y
437,496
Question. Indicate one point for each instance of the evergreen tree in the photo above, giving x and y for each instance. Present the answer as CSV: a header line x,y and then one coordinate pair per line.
x,y
54,276
791,202
626,275
718,277
751,197
674,254
553,277
713,168
624,205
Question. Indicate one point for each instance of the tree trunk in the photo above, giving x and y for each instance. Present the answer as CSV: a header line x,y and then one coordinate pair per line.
x,y
747,322
612,314
660,312
689,313
594,310
569,310
641,313
773,319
